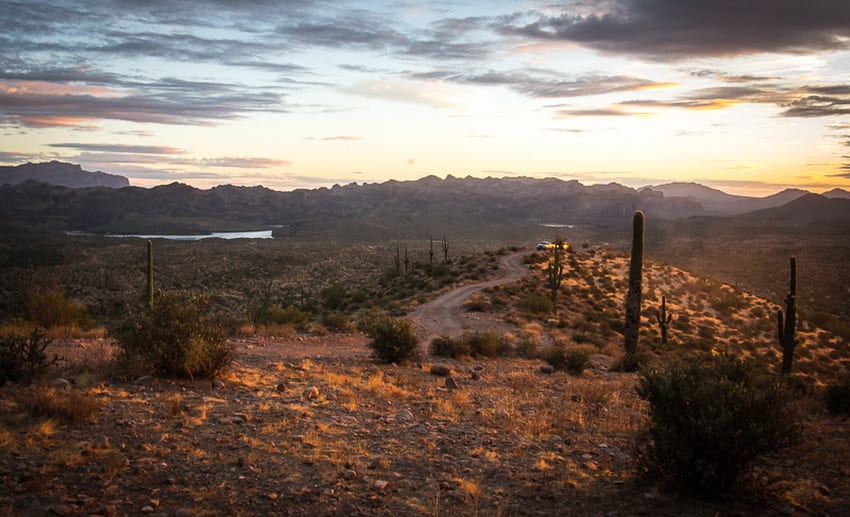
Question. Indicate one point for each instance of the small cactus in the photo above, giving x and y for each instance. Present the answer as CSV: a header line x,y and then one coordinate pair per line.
x,y
787,324
150,273
664,318
632,328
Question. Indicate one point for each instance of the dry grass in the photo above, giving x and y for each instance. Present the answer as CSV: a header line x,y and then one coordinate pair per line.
x,y
66,405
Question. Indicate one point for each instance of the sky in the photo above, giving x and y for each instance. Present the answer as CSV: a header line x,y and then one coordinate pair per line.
x,y
747,96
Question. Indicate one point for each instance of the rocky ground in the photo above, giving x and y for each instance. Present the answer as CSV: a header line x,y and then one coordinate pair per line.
x,y
316,427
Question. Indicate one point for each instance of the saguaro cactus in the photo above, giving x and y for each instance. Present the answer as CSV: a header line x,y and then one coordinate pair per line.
x,y
554,275
431,251
445,250
632,330
786,328
664,318
150,273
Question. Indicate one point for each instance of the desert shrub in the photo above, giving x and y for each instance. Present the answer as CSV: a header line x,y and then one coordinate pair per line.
x,y
268,314
49,308
333,297
336,322
392,339
485,344
68,406
527,348
573,360
24,357
709,418
536,302
174,338
837,397
478,303
445,346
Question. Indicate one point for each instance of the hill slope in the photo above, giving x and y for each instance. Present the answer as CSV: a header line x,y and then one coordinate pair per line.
x,y
62,174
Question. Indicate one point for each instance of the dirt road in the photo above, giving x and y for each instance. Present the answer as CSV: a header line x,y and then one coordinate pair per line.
x,y
442,315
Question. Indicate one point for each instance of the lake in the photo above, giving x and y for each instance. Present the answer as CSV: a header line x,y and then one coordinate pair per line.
x,y
258,234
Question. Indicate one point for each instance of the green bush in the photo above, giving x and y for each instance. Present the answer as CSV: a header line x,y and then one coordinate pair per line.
x,y
392,339
573,360
49,308
174,338
336,322
536,302
268,314
838,397
24,358
527,348
333,297
709,418
445,346
485,344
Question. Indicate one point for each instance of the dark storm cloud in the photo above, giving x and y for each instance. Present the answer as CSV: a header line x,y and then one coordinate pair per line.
x,y
544,84
682,29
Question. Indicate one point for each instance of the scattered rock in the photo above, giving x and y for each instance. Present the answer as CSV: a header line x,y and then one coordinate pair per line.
x,y
147,509
145,380
241,417
60,509
310,393
440,370
451,383
547,369
379,484
349,474
281,387
60,383
272,496
474,375
405,415
100,442
217,384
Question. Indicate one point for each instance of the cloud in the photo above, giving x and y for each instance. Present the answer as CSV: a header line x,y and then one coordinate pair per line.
x,y
597,112
672,30
166,102
349,138
14,157
242,163
401,91
545,84
119,148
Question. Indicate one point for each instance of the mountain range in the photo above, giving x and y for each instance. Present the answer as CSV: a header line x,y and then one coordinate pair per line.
x,y
46,200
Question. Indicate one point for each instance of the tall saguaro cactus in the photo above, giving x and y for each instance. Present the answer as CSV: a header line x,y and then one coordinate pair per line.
x,y
555,275
150,273
632,330
786,328
664,318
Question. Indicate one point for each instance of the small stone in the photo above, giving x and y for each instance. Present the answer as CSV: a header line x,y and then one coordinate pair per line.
x,y
281,387
451,383
310,393
147,509
154,503
272,496
217,384
60,509
405,415
328,492
823,489
474,375
547,369
60,384
242,462
144,380
349,474
100,442
556,438
440,370
379,484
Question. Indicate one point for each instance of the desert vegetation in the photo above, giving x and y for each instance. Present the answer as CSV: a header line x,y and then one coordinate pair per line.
x,y
285,377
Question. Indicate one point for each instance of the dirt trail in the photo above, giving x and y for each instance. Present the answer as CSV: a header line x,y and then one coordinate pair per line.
x,y
442,315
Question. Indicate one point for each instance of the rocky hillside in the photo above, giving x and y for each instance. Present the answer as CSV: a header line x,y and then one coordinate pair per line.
x,y
62,174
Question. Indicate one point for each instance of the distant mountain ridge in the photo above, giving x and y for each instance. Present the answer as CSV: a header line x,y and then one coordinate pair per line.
x,y
61,174
720,203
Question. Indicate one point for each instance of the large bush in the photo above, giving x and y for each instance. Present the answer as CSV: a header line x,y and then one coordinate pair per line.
x,y
709,418
49,308
393,340
174,338
573,359
23,357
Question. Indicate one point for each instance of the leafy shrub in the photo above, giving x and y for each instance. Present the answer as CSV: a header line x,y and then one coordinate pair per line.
x,y
485,344
49,308
24,358
573,360
273,315
392,339
445,346
536,302
336,322
333,297
174,338
709,418
527,348
838,397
